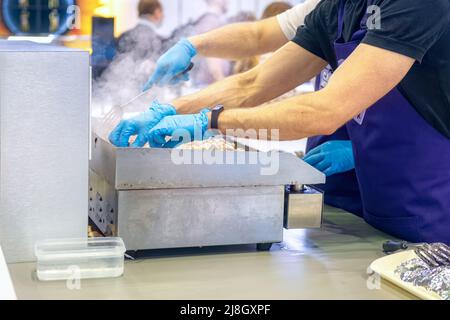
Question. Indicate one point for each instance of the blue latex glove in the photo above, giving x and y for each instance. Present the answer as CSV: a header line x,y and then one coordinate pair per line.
x,y
171,65
332,157
140,125
188,127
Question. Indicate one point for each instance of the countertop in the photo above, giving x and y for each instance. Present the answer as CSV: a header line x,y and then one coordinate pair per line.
x,y
330,263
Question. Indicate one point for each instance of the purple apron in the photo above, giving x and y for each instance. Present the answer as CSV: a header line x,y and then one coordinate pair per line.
x,y
342,189
402,162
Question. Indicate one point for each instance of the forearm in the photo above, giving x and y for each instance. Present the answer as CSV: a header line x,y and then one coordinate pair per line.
x,y
263,83
354,87
239,91
240,40
291,119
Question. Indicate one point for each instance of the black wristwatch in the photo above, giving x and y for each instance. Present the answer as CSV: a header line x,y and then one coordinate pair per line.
x,y
215,113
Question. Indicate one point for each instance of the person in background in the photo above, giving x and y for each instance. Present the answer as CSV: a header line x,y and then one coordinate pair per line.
x,y
143,42
275,8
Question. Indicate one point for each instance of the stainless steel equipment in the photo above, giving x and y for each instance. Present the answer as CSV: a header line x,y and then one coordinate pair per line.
x,y
152,201
44,145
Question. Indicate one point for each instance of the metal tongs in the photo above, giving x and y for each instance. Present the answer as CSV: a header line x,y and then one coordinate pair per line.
x,y
435,255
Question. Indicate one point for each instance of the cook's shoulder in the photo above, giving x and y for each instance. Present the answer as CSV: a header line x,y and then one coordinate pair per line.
x,y
292,19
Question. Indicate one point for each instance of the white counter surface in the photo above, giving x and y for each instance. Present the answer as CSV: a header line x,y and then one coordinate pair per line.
x,y
330,263
6,287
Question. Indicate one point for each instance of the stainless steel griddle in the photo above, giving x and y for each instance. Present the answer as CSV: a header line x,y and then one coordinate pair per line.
x,y
153,202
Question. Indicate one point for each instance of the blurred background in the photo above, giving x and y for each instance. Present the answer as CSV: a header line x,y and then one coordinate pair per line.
x,y
32,17
126,37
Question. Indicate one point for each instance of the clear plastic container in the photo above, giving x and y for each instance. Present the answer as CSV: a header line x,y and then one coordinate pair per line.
x,y
69,259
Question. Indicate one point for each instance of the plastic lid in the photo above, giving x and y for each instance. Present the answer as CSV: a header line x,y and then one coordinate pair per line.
x,y
68,248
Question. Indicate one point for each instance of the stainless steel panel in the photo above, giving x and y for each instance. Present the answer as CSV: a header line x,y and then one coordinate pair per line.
x,y
305,209
137,169
176,218
154,169
44,116
102,204
103,160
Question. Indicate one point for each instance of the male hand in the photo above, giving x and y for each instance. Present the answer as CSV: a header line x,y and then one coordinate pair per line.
x,y
171,67
140,125
332,157
187,127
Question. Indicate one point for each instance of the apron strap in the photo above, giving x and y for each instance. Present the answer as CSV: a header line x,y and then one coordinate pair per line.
x,y
359,34
341,18
341,12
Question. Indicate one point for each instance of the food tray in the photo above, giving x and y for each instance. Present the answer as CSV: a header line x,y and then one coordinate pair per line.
x,y
386,267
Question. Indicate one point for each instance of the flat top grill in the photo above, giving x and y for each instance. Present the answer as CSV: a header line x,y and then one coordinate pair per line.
x,y
139,169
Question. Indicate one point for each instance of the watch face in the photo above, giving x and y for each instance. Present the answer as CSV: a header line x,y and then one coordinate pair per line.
x,y
37,17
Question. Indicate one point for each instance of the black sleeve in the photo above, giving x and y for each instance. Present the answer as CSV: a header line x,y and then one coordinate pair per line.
x,y
409,27
313,34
